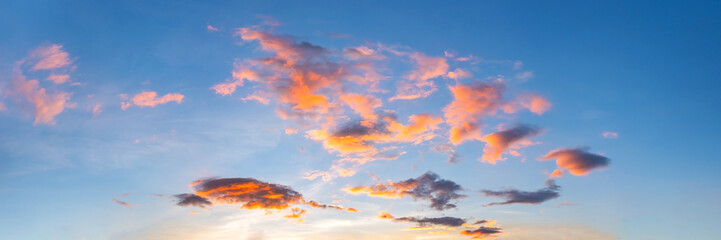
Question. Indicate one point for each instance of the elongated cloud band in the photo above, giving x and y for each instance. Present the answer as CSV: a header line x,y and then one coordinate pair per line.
x,y
513,196
249,193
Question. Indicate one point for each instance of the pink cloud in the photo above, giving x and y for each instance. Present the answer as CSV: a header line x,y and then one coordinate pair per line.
x,y
58,79
419,83
151,99
49,57
610,135
46,105
211,28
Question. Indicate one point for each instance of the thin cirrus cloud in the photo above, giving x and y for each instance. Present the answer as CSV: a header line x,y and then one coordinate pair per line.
x,y
429,186
513,196
577,161
249,193
507,140
150,99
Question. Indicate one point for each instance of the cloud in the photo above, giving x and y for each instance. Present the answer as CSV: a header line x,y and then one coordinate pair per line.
x,y
513,196
126,204
296,213
609,134
211,28
433,221
482,232
49,57
151,99
499,142
453,157
428,186
188,199
249,193
46,105
470,104
577,161
364,105
419,83
58,79
475,101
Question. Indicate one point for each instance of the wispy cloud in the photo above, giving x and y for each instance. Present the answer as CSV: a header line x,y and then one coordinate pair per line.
x,y
513,196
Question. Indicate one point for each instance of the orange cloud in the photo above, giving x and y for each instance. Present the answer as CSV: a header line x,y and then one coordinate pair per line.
x,y
249,193
150,99
470,104
296,213
385,215
499,142
577,161
364,105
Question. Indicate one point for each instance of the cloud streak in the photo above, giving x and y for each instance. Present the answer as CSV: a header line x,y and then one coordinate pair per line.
x,y
513,196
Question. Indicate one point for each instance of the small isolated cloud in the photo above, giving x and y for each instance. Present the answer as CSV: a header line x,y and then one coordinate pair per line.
x,y
122,203
499,142
433,221
211,28
482,232
453,157
428,186
188,199
249,193
610,134
151,99
577,161
513,196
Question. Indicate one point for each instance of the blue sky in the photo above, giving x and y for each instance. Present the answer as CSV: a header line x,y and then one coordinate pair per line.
x,y
646,71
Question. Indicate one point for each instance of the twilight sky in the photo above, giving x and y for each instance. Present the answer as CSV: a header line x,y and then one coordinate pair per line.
x,y
510,120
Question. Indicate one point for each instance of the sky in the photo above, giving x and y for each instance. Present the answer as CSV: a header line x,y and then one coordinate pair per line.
x,y
360,120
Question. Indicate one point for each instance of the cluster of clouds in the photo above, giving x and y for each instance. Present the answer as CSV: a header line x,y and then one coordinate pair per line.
x,y
336,98
480,229
45,100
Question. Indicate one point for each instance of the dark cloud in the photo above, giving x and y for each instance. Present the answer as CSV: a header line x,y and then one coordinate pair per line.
x,y
516,196
188,199
428,186
577,161
434,221
482,232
